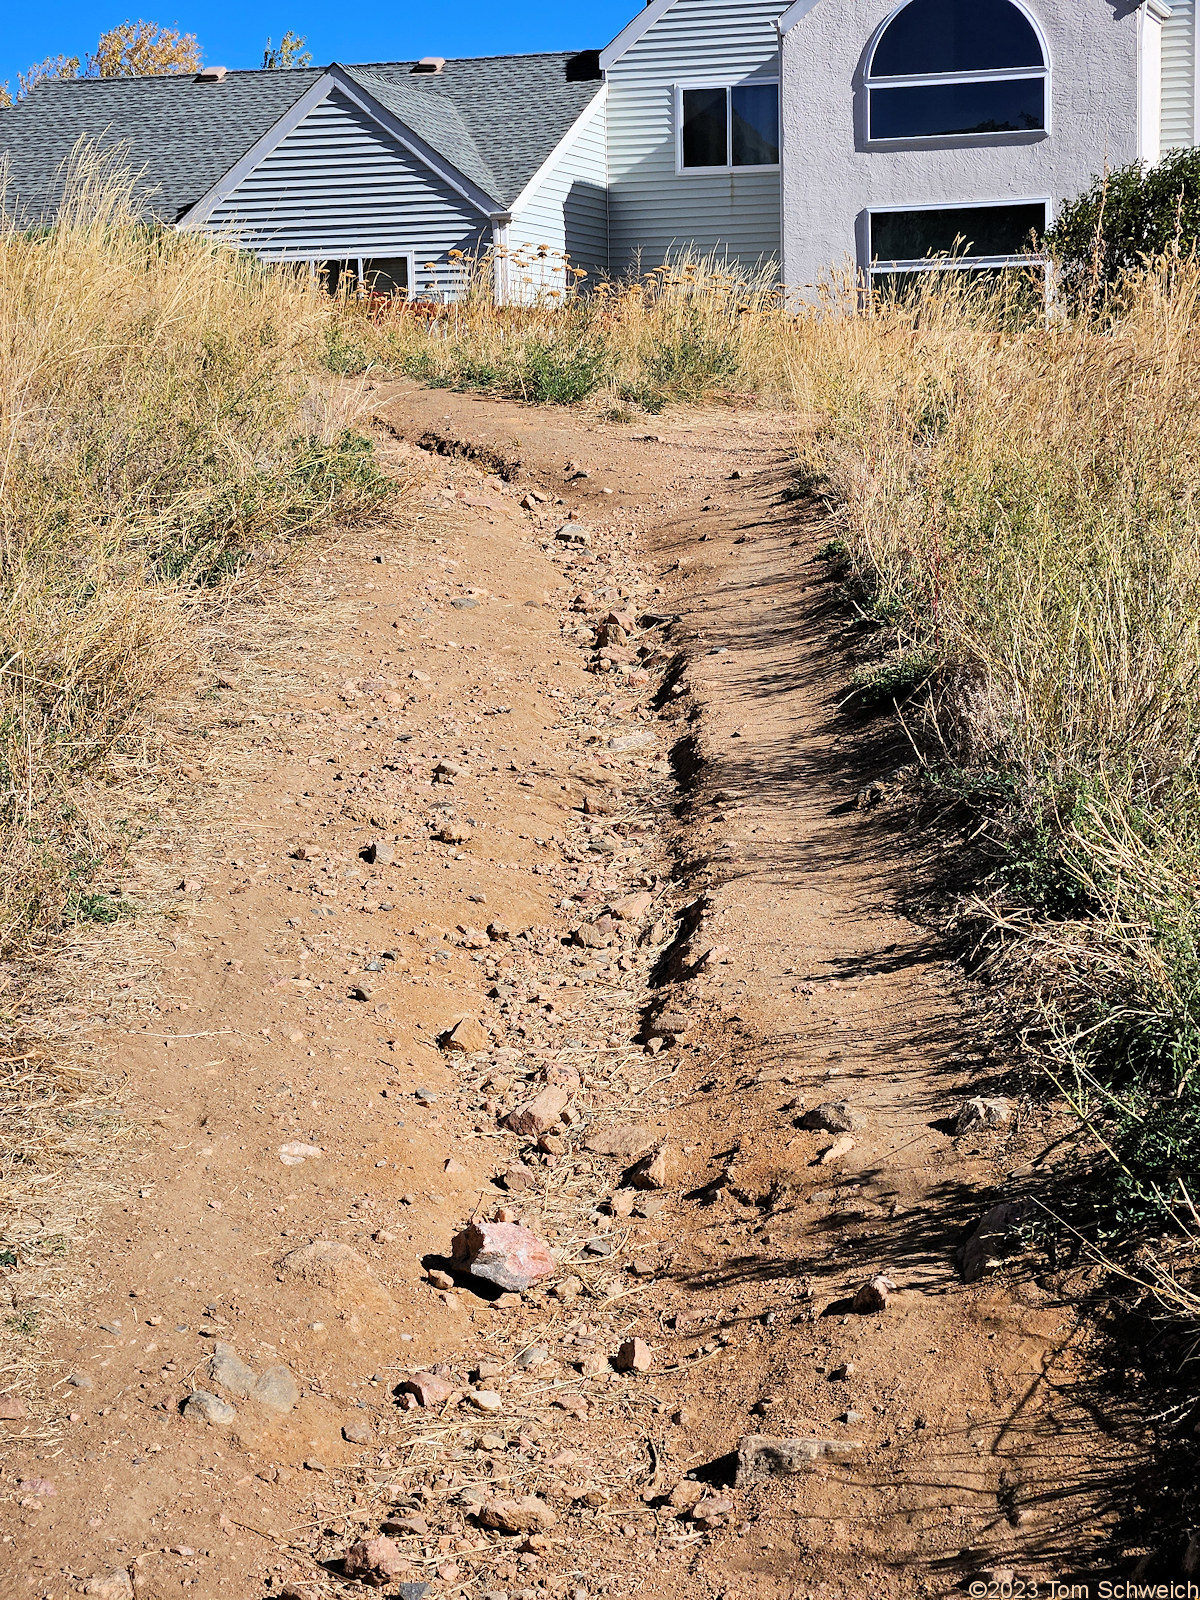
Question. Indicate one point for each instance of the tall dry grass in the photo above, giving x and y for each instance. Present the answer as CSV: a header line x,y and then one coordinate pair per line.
x,y
692,329
159,421
1016,499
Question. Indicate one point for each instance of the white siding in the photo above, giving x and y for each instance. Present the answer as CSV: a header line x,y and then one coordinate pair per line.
x,y
653,210
1179,76
340,185
566,215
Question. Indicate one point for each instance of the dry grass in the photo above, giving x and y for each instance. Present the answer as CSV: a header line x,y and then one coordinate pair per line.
x,y
688,331
166,428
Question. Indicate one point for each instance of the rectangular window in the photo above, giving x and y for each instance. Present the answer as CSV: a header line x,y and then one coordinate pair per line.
x,y
946,110
372,275
732,126
994,233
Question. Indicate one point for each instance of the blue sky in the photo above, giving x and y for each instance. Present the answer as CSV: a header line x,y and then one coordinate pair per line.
x,y
233,35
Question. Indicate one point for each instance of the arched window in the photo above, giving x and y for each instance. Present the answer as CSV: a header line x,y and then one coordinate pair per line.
x,y
956,69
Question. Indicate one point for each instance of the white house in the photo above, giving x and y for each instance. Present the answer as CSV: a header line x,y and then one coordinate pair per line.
x,y
803,135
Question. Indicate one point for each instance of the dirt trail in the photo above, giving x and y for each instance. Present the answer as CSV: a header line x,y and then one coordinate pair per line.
x,y
738,962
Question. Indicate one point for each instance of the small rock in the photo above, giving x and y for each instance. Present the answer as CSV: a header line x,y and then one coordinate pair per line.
x,y
430,1388
981,1113
598,1247
375,1561
686,1494
873,1295
840,1147
504,1253
464,602
526,1515
379,853
568,1290
536,1355
39,1486
535,1116
634,1356
277,1390
465,1037
13,1408
485,1400
517,1178
572,533
625,1141
203,1407
632,908
439,1279
293,1154
358,1432
406,1527
455,833
116,1585
227,1369
652,1171
712,1511
760,1456
986,1247
835,1116
78,1380
630,741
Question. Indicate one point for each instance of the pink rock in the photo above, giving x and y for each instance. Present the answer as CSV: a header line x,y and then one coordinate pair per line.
x,y
634,1356
504,1253
543,1111
36,1486
375,1561
429,1388
873,1295
12,1408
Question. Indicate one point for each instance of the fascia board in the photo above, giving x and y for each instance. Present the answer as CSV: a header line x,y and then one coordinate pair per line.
x,y
633,31
560,149
203,208
795,13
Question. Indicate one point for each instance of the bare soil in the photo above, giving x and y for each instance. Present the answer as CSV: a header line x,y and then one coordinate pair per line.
x,y
298,995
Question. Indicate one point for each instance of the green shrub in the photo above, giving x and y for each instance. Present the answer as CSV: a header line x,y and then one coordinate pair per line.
x,y
1127,217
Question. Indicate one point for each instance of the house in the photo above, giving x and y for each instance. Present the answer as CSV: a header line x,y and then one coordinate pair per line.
x,y
803,134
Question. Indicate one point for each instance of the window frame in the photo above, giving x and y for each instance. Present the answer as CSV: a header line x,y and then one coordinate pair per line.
x,y
359,259
933,80
944,263
728,84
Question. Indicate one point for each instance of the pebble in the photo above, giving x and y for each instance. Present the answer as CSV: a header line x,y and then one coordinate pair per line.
x,y
985,1248
12,1408
525,1515
465,1037
230,1372
504,1253
652,1171
535,1356
439,1279
402,1527
834,1116
116,1585
430,1388
80,1380
203,1407
760,1456
598,1247
358,1432
840,1147
485,1400
873,1295
712,1511
538,1115
276,1389
375,1561
634,1356
981,1113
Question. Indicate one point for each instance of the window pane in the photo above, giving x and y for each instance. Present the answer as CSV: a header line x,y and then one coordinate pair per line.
x,y
704,131
955,230
956,36
1012,106
386,275
755,124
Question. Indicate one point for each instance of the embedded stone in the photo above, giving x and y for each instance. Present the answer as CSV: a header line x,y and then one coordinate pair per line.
x,y
504,1253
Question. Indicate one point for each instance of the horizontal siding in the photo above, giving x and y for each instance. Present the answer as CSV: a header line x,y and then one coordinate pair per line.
x,y
655,212
1179,76
566,217
340,185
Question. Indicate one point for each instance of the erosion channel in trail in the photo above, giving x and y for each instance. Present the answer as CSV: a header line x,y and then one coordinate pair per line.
x,y
537,879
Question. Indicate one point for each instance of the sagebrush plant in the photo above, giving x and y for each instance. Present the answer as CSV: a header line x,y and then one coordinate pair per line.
x,y
158,422
1019,497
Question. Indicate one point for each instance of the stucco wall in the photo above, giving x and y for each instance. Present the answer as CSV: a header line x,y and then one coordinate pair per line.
x,y
831,177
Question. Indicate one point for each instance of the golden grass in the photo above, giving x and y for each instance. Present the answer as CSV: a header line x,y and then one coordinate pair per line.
x,y
158,422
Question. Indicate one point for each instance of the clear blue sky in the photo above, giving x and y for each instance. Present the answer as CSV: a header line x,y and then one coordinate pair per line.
x,y
233,35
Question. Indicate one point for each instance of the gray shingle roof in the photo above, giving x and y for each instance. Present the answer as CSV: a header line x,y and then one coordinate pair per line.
x,y
495,118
